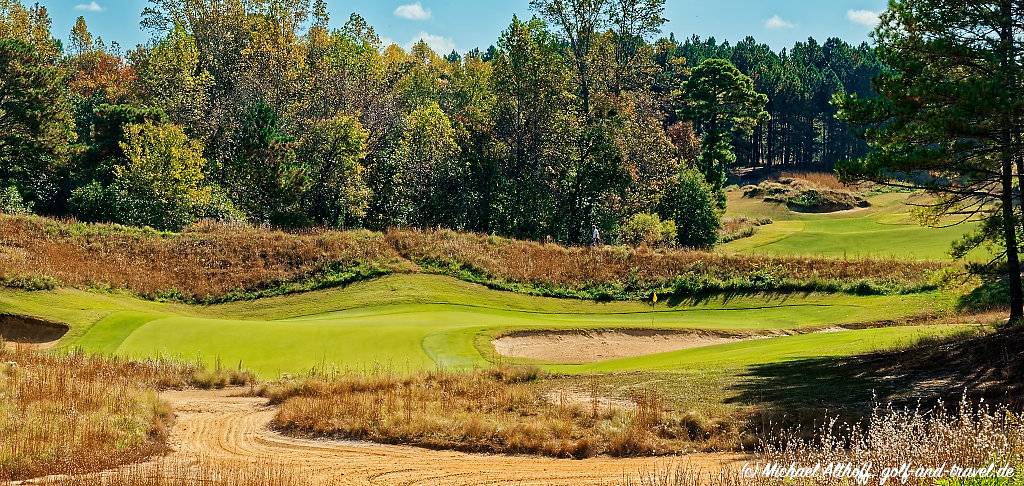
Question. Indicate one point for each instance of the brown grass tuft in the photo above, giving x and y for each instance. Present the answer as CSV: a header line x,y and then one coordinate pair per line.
x,y
484,411
215,262
968,435
75,413
820,179
205,473
809,192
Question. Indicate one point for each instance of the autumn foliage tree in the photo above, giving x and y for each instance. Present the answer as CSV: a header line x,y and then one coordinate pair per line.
x,y
576,117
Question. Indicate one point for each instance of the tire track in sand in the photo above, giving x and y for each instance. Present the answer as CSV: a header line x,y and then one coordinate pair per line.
x,y
222,429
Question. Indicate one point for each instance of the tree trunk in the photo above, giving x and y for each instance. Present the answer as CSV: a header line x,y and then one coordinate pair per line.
x,y
1009,156
1010,233
584,74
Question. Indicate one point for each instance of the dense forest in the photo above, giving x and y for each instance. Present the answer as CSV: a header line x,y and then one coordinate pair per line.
x,y
262,112
800,83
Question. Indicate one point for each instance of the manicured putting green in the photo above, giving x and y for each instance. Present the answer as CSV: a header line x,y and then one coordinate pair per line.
x,y
411,322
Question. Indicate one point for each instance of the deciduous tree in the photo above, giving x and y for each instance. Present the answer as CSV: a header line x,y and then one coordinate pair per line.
x,y
162,182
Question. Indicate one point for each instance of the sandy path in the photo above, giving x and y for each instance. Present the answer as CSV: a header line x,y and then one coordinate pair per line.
x,y
223,429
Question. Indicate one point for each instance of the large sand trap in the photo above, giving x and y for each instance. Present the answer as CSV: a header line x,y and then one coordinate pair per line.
x,y
28,330
594,346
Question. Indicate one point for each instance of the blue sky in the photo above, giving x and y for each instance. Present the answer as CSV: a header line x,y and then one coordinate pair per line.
x,y
464,24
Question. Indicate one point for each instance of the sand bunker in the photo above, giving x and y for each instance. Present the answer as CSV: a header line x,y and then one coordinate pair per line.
x,y
594,346
28,330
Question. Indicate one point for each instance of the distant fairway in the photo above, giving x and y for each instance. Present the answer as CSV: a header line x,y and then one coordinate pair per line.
x,y
412,322
887,229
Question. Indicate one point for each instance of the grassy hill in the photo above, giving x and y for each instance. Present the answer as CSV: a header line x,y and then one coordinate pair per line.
x,y
408,299
411,322
886,229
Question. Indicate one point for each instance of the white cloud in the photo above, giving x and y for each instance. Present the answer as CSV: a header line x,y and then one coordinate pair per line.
x,y
440,45
777,22
412,11
89,7
867,18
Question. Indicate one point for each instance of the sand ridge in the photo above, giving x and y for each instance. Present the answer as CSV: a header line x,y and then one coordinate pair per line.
x,y
29,331
571,347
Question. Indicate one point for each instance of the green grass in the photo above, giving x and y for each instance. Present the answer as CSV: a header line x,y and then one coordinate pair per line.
x,y
774,350
412,322
887,229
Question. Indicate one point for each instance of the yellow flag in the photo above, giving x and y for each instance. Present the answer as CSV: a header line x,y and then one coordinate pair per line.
x,y
655,298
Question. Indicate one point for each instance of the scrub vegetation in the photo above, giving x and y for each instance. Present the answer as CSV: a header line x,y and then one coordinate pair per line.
x,y
217,263
496,411
75,413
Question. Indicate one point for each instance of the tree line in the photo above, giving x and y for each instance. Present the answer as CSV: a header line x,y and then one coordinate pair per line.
x,y
260,111
800,82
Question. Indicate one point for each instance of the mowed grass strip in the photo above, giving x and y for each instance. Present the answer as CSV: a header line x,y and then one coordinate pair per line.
x,y
410,323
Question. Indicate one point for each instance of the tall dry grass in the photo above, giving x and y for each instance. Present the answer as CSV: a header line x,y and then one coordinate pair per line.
x,y
498,411
203,473
809,193
211,262
820,179
640,269
970,435
685,474
75,413
207,261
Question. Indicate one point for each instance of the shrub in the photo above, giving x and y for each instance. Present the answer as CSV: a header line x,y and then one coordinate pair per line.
x,y
29,282
742,227
93,203
648,229
220,208
693,205
162,183
11,201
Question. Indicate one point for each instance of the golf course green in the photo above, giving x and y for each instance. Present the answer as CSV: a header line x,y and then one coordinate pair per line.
x,y
412,322
888,228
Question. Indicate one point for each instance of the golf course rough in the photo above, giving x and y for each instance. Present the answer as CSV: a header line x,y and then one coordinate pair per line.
x,y
413,322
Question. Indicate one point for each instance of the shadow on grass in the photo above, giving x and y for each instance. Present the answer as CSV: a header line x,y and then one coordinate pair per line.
x,y
978,364
727,296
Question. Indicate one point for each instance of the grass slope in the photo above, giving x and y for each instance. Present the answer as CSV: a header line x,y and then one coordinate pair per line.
x,y
412,322
774,350
886,229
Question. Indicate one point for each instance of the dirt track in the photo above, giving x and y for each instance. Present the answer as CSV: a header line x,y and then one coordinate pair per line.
x,y
228,430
